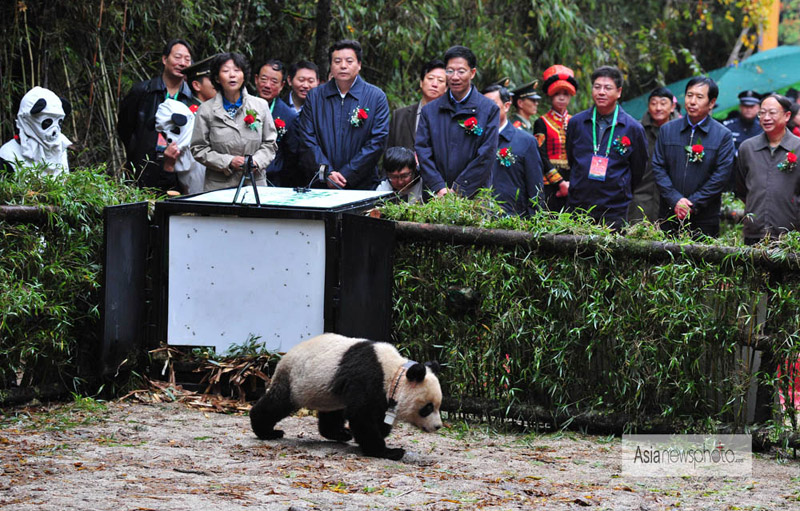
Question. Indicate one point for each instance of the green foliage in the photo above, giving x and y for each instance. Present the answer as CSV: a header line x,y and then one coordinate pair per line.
x,y
604,332
50,273
790,23
83,411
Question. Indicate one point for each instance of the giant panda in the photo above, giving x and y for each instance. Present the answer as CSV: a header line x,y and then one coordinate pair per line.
x,y
364,382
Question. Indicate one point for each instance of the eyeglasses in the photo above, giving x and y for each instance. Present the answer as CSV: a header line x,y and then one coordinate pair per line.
x,y
459,72
772,114
399,177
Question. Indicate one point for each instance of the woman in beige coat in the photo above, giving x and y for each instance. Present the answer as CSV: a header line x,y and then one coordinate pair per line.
x,y
232,126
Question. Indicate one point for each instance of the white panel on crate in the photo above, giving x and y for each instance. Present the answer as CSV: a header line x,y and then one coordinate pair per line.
x,y
274,196
230,277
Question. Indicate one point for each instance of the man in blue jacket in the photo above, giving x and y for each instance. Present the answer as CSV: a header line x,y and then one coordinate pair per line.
x,y
693,161
344,123
606,151
517,174
457,133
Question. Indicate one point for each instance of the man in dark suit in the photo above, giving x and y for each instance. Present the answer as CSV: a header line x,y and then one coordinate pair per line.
x,y
457,135
269,83
403,126
344,123
137,110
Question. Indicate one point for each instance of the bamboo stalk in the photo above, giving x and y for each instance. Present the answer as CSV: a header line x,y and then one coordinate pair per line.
x,y
69,93
91,75
30,49
617,246
122,49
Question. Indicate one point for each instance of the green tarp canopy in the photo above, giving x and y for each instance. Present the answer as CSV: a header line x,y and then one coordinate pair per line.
x,y
773,70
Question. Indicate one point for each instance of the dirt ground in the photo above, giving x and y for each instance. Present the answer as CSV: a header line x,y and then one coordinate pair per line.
x,y
130,456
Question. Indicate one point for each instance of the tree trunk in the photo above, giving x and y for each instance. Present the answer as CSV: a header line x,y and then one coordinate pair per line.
x,y
323,41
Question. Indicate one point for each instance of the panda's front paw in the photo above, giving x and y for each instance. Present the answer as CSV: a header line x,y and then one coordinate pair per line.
x,y
394,454
270,435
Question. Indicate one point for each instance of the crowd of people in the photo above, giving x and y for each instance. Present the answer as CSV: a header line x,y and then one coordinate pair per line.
x,y
196,127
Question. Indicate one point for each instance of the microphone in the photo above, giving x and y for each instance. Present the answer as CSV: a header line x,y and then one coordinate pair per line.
x,y
320,176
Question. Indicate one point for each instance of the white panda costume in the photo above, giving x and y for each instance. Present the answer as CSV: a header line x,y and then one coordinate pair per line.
x,y
366,383
40,142
176,122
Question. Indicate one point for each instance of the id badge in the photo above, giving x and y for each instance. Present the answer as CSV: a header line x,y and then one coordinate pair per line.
x,y
598,168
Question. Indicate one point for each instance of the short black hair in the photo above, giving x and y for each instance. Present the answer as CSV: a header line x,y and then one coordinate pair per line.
x,y
785,102
238,60
463,52
168,47
303,64
713,90
661,92
505,96
608,72
397,158
430,66
343,45
275,65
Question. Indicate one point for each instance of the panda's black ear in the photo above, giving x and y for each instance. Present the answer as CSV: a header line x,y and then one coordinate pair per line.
x,y
66,105
38,106
434,366
179,119
416,373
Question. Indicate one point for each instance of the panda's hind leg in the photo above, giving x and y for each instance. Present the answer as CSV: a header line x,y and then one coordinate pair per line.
x,y
273,406
331,426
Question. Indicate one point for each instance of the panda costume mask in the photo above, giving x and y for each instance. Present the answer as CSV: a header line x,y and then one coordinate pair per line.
x,y
175,121
40,141
369,384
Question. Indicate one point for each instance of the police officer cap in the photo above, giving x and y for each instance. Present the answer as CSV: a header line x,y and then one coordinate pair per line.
x,y
503,82
749,98
527,91
199,69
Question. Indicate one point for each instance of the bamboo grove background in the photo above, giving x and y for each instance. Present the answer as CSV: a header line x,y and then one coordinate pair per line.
x,y
639,333
92,51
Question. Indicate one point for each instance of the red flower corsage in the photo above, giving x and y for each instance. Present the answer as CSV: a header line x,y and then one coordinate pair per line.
x,y
789,163
506,157
695,153
193,108
622,145
251,120
471,126
358,116
280,127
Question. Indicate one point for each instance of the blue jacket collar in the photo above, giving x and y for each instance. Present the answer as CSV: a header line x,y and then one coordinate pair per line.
x,y
356,90
704,125
508,131
622,117
471,101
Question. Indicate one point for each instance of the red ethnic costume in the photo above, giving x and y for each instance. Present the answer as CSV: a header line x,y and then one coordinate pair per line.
x,y
550,131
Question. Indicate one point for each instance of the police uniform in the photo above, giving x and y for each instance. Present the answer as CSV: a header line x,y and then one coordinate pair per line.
x,y
197,71
740,128
525,91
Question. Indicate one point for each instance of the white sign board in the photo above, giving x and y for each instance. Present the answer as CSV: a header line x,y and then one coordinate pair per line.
x,y
233,277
